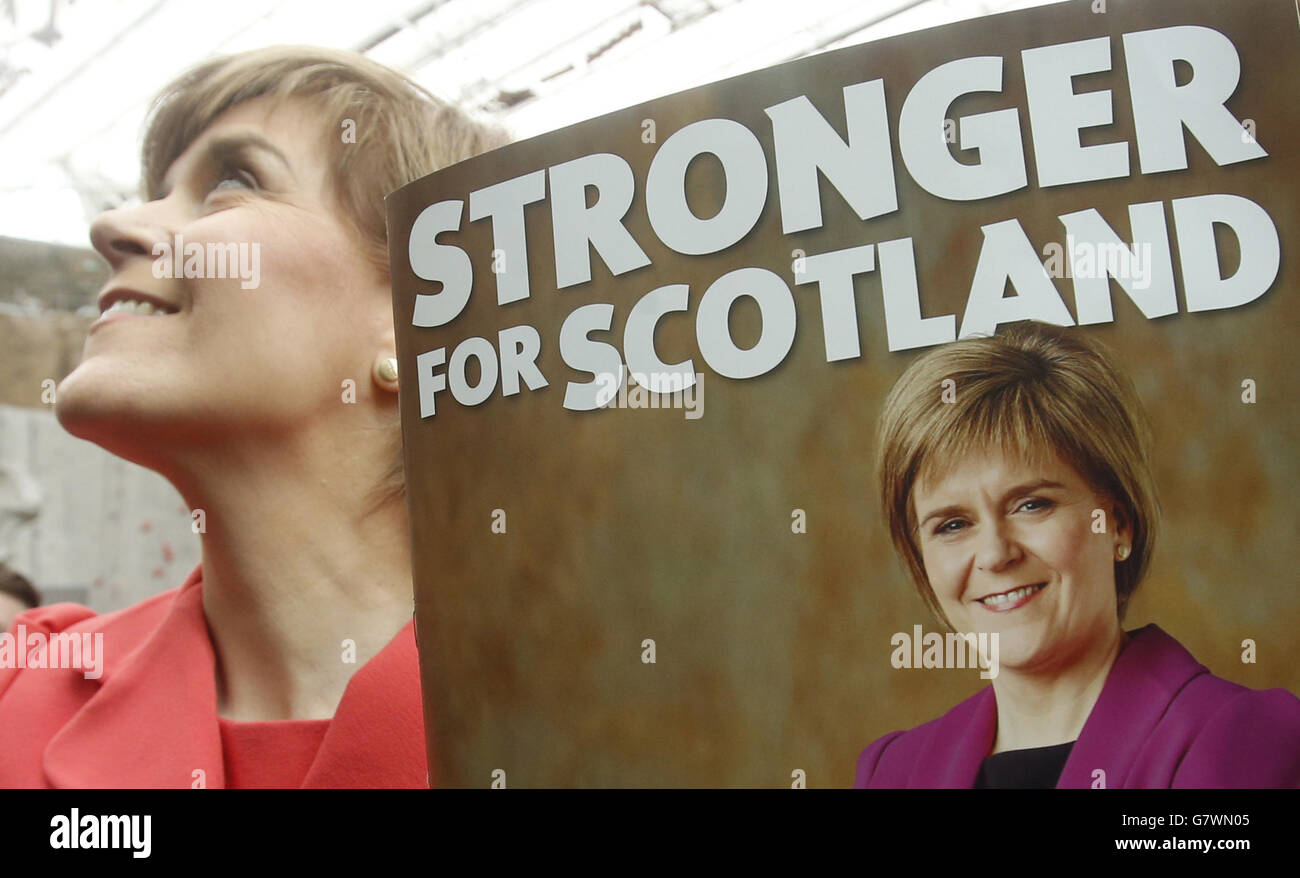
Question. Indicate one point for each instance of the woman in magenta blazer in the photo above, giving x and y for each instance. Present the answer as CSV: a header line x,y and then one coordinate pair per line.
x,y
246,352
1015,478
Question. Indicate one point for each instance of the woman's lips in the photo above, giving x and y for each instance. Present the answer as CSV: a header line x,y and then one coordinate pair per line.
x,y
1007,601
114,316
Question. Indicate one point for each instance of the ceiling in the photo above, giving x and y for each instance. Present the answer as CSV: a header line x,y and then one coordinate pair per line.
x,y
76,76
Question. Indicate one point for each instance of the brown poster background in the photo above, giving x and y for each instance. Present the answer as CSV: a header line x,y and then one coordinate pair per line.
x,y
772,648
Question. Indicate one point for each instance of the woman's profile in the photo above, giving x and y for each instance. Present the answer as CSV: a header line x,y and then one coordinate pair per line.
x,y
1015,479
267,396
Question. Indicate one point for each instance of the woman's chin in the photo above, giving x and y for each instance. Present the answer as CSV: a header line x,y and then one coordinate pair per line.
x,y
1028,653
105,413
1016,656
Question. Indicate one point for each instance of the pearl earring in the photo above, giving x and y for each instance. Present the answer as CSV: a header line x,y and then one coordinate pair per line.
x,y
1122,552
386,369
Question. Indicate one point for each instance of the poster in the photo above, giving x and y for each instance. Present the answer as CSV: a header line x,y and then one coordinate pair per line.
x,y
644,357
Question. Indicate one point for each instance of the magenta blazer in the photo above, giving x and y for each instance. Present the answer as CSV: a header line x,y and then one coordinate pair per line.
x,y
1162,721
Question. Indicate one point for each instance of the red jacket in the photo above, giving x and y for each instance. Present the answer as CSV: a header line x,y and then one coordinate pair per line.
x,y
150,719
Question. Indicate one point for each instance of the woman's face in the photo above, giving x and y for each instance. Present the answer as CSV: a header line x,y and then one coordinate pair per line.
x,y
1012,547
252,346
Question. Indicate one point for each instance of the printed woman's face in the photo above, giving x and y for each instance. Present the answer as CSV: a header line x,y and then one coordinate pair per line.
x,y
260,300
1024,550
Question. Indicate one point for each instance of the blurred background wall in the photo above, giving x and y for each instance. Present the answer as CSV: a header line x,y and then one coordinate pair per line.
x,y
81,524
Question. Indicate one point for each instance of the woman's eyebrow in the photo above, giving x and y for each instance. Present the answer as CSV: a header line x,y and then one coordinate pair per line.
x,y
229,146
942,512
1030,487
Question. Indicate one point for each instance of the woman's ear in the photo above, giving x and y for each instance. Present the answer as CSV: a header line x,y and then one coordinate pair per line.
x,y
1123,529
384,366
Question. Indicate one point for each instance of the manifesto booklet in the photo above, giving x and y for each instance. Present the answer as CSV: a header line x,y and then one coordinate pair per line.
x,y
643,359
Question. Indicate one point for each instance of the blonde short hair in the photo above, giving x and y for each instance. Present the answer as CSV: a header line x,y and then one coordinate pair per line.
x,y
402,132
1032,389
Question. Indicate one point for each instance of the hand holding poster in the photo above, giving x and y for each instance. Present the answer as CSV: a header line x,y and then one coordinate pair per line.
x,y
614,592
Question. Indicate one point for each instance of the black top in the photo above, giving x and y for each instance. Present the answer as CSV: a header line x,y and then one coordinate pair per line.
x,y
1038,768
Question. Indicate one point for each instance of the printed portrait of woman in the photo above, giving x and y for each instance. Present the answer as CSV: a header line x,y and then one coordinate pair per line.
x,y
1015,479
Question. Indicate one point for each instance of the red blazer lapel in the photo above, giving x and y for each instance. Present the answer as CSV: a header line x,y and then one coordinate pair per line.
x,y
376,738
153,721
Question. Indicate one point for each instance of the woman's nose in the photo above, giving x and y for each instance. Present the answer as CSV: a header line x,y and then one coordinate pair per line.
x,y
124,232
996,548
